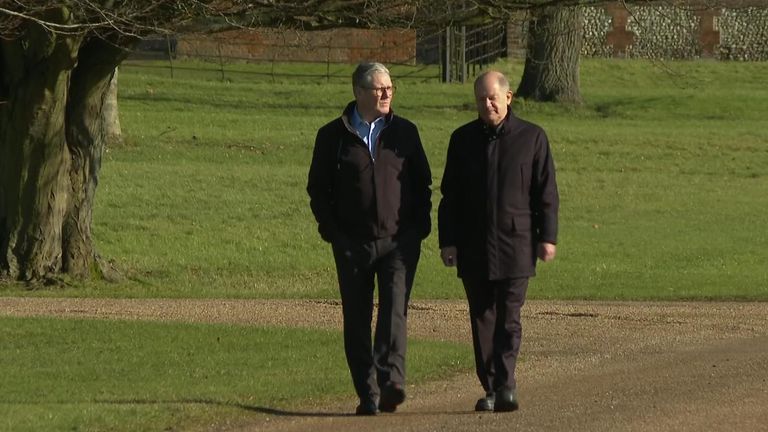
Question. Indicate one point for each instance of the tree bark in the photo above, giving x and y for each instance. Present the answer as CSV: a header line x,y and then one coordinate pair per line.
x,y
551,71
111,114
52,135
34,158
87,131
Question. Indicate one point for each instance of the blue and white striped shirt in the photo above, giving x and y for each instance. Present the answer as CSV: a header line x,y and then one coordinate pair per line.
x,y
369,132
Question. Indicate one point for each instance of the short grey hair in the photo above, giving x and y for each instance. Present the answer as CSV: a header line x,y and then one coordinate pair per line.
x,y
363,74
503,81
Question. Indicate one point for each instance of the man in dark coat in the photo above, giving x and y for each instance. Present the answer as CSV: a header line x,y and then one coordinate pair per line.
x,y
498,214
369,188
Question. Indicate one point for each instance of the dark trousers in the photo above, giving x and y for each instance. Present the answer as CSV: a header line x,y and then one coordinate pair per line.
x,y
494,311
392,261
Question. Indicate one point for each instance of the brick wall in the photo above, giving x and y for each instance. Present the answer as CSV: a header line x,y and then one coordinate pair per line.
x,y
338,45
736,31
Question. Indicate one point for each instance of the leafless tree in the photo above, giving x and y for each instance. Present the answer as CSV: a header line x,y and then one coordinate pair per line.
x,y
57,59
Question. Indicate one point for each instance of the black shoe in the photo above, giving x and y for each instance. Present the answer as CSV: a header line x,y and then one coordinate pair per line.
x,y
392,395
486,403
506,400
367,407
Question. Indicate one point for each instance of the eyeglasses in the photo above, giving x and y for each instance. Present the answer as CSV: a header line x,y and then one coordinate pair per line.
x,y
380,90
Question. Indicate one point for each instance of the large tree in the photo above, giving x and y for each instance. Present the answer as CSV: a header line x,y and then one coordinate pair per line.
x,y
57,62
554,40
551,72
57,59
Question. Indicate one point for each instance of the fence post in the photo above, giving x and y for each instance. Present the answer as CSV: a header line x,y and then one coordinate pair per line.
x,y
447,70
328,58
170,54
440,47
272,68
274,50
221,59
463,54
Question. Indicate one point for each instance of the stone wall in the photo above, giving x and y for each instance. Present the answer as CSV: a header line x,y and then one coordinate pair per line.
x,y
336,46
744,34
663,32
737,32
597,27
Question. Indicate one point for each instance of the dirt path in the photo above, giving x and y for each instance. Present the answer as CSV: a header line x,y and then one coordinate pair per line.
x,y
587,366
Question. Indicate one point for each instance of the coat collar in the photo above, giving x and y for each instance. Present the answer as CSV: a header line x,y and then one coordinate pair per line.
x,y
507,126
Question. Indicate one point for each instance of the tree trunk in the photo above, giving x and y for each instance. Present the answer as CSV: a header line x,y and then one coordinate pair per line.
x,y
87,131
111,114
52,135
34,158
551,71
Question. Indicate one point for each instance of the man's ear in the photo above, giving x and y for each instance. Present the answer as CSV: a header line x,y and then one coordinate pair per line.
x,y
510,96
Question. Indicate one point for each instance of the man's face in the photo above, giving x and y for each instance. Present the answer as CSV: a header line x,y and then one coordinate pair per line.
x,y
374,100
491,100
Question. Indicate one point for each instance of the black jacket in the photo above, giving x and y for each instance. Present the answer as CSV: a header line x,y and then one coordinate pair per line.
x,y
499,198
352,195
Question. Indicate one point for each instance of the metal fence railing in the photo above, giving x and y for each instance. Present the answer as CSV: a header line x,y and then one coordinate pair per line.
x,y
467,49
451,54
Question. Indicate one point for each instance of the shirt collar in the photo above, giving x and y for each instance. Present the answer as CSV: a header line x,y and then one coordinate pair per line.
x,y
357,119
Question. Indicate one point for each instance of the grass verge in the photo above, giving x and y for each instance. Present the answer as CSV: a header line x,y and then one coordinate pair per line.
x,y
71,374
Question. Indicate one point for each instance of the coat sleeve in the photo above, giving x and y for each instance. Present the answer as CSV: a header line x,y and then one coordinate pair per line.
x,y
545,200
420,176
322,171
448,208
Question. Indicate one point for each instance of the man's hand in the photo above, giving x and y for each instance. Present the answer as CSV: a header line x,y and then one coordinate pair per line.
x,y
448,255
546,251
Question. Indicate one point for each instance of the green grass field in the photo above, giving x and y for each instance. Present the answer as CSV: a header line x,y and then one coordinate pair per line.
x,y
663,177
131,376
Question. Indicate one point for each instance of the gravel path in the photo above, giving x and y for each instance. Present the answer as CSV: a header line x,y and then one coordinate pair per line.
x,y
587,366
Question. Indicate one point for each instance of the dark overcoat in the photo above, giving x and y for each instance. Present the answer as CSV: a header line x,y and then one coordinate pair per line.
x,y
357,197
499,198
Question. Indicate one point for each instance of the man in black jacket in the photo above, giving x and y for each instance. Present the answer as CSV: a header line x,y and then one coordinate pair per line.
x,y
369,189
497,214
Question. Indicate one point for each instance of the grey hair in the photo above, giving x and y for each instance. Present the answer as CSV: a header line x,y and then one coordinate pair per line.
x,y
503,81
363,74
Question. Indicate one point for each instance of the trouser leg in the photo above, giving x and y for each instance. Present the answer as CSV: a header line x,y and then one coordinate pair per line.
x,y
395,268
356,287
510,297
482,317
